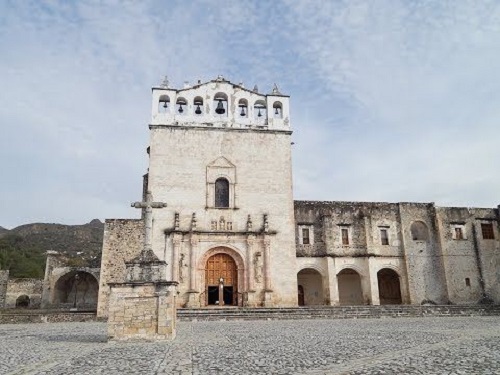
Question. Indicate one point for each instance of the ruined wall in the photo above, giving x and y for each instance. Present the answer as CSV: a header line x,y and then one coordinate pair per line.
x,y
4,278
489,252
122,241
24,287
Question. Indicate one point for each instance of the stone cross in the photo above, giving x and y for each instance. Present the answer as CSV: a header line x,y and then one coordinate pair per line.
x,y
148,217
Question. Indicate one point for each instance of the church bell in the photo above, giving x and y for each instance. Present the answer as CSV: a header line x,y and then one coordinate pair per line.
x,y
198,110
220,108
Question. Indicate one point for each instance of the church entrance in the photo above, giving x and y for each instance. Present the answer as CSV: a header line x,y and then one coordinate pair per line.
x,y
221,280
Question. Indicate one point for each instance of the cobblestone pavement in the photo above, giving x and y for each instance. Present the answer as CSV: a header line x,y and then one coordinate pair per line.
x,y
378,346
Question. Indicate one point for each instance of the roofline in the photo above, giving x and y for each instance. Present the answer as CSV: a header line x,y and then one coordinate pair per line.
x,y
217,81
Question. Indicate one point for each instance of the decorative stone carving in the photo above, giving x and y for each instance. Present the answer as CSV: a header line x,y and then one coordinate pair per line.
x,y
176,221
193,221
266,224
182,267
249,223
257,266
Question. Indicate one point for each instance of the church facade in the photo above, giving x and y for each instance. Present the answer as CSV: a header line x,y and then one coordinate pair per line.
x,y
231,233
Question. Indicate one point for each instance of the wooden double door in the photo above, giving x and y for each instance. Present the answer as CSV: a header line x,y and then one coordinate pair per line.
x,y
221,280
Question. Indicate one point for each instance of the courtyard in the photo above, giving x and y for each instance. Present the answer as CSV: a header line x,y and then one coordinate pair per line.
x,y
353,346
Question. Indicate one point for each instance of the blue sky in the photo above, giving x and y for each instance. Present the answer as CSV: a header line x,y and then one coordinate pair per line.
x,y
391,100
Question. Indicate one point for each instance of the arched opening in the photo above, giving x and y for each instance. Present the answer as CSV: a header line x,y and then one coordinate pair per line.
x,y
350,291
76,289
311,283
243,108
277,110
259,110
389,287
23,301
163,104
221,280
198,105
221,193
419,231
180,106
220,104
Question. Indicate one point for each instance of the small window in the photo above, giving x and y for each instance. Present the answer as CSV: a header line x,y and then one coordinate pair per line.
x,y
221,193
305,236
487,231
384,237
467,281
345,236
459,234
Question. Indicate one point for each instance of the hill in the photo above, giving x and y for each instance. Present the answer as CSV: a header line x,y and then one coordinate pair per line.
x,y
22,249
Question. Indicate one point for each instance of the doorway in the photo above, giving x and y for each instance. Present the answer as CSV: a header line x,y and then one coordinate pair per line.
x,y
220,271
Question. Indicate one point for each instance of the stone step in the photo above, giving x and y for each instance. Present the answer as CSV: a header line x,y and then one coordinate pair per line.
x,y
335,312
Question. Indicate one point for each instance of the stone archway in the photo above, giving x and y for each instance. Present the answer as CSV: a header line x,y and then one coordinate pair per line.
x,y
350,290
226,264
76,289
389,287
310,282
23,301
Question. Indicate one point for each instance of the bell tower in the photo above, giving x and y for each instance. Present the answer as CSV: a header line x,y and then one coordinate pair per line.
x,y
220,157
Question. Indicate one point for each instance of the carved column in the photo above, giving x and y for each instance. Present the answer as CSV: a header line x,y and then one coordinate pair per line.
x,y
175,256
192,263
267,272
249,267
267,264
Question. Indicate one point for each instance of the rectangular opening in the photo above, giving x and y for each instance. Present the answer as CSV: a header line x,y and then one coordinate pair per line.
x,y
467,281
228,295
487,231
384,237
459,234
305,236
345,236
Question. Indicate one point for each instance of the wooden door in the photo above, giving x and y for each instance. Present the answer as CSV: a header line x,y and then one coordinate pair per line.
x,y
222,265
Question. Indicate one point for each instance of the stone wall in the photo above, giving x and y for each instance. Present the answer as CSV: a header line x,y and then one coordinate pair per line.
x,y
4,278
433,266
122,241
32,288
142,311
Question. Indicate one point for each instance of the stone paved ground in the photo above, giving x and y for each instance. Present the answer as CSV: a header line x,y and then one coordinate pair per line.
x,y
378,346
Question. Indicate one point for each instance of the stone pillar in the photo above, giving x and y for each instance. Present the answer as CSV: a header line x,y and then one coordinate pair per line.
x,y
175,256
267,273
193,295
373,281
250,296
333,287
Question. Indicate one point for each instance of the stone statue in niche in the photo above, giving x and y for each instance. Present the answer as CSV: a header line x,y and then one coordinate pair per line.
x,y
222,223
257,267
182,267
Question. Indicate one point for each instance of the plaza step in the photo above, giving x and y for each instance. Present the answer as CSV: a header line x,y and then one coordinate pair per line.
x,y
334,312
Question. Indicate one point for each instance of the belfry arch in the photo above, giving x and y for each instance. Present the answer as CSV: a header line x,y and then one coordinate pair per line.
x,y
222,274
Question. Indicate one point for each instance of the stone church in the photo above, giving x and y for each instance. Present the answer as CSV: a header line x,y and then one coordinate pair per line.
x,y
231,233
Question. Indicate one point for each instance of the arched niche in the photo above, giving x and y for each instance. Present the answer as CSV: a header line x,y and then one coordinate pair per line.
x,y
181,106
389,287
310,285
419,231
243,108
260,110
277,110
350,290
78,289
164,104
220,105
23,301
198,106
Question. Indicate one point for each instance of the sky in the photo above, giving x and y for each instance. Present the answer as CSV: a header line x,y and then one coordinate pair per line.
x,y
393,101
